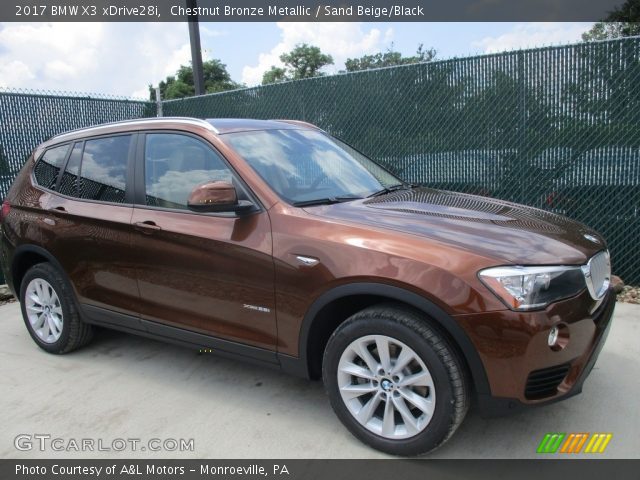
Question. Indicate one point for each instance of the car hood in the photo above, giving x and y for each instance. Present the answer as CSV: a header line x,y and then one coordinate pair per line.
x,y
500,230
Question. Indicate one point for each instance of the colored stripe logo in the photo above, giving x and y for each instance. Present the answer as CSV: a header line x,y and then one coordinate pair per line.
x,y
574,443
598,443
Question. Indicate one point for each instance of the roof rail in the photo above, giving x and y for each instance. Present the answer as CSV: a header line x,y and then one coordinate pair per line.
x,y
188,120
297,122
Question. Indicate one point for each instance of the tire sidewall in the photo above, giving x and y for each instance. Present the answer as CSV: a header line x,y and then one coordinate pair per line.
x,y
46,272
437,429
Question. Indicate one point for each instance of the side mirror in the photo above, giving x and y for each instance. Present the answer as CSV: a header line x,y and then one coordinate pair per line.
x,y
217,197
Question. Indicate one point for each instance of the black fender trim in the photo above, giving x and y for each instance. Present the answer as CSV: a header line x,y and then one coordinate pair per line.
x,y
443,319
29,248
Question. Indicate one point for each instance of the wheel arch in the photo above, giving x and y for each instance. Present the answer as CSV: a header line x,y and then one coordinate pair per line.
x,y
25,257
361,295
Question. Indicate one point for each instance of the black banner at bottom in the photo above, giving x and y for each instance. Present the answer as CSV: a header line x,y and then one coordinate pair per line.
x,y
422,469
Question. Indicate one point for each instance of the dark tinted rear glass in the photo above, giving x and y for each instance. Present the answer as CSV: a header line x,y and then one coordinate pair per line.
x,y
104,169
69,183
47,169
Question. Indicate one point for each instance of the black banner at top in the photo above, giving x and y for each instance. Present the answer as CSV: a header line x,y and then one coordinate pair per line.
x,y
305,10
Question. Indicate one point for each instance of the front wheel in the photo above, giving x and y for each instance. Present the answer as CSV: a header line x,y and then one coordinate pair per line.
x,y
394,381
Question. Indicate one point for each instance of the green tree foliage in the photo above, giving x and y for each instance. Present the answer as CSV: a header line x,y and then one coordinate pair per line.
x,y
388,59
180,85
624,21
274,75
304,61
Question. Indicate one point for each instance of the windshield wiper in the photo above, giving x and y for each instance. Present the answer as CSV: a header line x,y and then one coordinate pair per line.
x,y
393,188
325,201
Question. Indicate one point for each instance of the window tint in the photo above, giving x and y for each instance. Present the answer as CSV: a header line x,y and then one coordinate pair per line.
x,y
47,169
104,169
69,182
175,164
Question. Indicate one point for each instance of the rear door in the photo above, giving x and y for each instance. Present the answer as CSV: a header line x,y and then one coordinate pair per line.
x,y
88,225
211,274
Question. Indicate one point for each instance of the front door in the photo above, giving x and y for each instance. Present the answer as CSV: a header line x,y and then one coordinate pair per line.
x,y
206,273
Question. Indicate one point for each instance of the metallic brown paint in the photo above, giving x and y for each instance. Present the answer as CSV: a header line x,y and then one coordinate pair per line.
x,y
213,194
199,271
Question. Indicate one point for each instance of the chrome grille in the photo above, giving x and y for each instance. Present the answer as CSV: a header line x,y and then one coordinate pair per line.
x,y
597,273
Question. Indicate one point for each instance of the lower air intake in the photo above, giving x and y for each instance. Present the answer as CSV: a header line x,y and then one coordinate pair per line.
x,y
544,382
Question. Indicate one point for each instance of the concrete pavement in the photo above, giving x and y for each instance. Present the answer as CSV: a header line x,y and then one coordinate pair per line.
x,y
127,387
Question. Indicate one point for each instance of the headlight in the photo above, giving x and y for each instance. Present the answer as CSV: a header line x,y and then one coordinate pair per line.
x,y
529,288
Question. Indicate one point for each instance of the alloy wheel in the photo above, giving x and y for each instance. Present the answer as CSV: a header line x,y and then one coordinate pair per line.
x,y
386,386
44,310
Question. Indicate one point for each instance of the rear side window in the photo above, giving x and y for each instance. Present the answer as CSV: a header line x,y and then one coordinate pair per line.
x,y
69,184
48,167
103,170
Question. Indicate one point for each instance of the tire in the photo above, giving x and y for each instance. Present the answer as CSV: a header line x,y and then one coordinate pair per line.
x,y
435,379
59,329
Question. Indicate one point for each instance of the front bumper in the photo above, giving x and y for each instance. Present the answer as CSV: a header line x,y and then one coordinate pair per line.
x,y
510,356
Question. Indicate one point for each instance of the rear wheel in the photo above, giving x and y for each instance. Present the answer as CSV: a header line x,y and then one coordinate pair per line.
x,y
49,311
394,381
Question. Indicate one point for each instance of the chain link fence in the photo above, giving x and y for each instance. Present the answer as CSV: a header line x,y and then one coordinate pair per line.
x,y
27,118
557,128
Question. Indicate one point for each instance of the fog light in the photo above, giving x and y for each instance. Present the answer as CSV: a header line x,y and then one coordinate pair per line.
x,y
558,337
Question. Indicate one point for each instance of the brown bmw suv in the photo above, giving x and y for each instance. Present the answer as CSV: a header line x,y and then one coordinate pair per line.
x,y
275,242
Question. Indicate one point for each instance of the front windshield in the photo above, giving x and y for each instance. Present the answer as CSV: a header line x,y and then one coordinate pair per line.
x,y
307,165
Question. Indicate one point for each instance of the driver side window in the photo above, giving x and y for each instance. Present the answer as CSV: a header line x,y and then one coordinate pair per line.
x,y
175,164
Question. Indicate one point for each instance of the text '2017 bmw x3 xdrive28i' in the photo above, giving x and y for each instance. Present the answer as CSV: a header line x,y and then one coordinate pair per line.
x,y
273,241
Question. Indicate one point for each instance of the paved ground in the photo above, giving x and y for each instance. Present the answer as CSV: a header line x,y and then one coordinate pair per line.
x,y
128,387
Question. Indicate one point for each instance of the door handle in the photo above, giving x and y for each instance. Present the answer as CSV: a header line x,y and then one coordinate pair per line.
x,y
147,227
60,209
